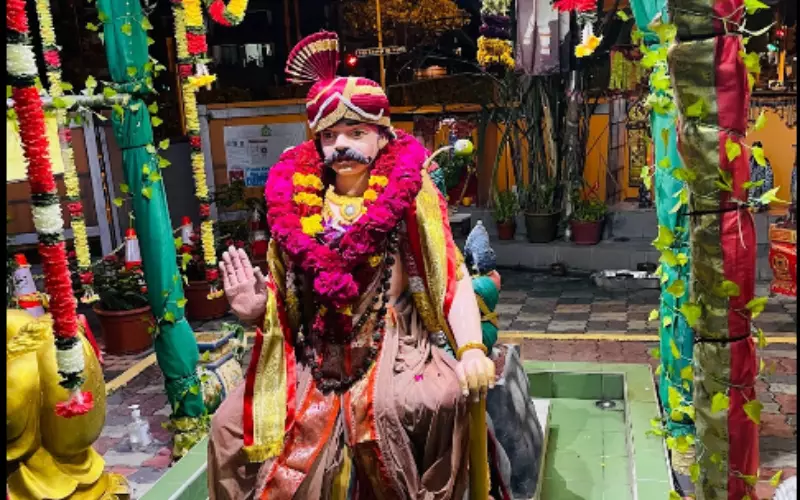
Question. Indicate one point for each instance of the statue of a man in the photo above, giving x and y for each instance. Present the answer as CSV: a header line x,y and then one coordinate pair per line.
x,y
372,346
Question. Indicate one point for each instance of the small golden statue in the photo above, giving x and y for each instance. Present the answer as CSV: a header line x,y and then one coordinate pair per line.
x,y
48,456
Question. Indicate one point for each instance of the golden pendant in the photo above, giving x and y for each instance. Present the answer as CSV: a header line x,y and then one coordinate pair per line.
x,y
350,207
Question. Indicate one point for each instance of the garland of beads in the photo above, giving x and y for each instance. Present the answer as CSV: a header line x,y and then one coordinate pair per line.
x,y
375,310
190,35
22,72
52,60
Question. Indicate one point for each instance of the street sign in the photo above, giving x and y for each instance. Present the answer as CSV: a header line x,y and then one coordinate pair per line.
x,y
380,51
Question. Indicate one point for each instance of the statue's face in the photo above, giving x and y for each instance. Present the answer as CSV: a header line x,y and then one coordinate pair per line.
x,y
350,148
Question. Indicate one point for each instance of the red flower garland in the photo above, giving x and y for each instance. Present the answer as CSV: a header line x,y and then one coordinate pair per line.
x,y
196,44
34,139
16,18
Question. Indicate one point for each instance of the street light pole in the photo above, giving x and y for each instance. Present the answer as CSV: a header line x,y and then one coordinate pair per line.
x,y
380,42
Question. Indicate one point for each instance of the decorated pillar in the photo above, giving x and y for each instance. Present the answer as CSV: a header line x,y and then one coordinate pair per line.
x,y
669,176
712,76
175,344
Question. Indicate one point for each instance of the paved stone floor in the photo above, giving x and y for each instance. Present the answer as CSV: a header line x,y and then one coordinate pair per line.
x,y
529,302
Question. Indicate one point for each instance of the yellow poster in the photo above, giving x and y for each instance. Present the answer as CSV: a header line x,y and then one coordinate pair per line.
x,y
15,160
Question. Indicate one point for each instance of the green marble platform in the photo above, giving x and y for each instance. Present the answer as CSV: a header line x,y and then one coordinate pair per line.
x,y
591,453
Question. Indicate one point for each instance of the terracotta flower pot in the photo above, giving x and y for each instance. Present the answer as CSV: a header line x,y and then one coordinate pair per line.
x,y
506,230
198,307
586,233
126,332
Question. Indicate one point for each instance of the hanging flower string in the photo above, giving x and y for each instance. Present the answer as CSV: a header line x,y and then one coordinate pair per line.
x,y
52,61
584,10
47,218
190,35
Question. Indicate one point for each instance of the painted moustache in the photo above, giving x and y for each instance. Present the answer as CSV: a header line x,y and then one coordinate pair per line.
x,y
347,155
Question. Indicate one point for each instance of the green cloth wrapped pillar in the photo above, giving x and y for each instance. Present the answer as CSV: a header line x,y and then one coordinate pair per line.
x,y
175,344
675,335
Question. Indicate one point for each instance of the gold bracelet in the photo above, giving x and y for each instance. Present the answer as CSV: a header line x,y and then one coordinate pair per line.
x,y
468,347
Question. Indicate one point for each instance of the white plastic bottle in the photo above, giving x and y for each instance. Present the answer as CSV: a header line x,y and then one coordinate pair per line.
x,y
139,432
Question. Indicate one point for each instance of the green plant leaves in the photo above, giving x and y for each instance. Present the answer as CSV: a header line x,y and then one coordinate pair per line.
x,y
665,238
758,156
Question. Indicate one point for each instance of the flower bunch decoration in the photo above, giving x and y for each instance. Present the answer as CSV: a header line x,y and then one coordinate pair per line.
x,y
52,59
47,218
494,44
294,194
585,11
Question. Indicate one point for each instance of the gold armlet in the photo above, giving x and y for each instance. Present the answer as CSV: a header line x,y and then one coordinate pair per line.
x,y
468,347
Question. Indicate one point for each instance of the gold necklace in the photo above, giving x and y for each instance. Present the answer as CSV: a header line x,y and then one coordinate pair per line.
x,y
350,207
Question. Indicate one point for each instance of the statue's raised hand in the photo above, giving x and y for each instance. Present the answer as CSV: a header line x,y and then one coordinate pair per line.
x,y
245,287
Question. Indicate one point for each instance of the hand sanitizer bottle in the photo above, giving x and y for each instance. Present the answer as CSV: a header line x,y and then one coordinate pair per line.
x,y
139,432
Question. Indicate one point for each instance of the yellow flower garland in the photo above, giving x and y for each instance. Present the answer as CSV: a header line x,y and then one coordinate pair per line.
x,y
312,225
190,109
195,82
71,183
199,171
194,14
180,34
207,237
370,195
309,181
378,180
45,22
309,199
236,8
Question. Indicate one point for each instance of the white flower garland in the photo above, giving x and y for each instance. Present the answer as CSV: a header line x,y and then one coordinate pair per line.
x,y
20,60
71,360
48,219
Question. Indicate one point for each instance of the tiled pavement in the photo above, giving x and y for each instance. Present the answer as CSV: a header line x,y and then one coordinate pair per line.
x,y
529,302
535,302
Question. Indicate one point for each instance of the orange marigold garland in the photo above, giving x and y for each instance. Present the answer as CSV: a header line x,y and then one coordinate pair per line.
x,y
22,72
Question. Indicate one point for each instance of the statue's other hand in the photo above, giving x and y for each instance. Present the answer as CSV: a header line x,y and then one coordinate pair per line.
x,y
475,374
244,286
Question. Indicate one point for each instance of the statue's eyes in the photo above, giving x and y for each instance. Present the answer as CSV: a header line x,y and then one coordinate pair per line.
x,y
358,134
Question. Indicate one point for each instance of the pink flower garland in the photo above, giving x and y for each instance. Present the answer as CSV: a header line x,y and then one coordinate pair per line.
x,y
334,284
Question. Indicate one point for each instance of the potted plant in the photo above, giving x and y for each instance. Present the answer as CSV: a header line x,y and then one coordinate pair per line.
x,y
196,289
505,212
122,309
586,222
542,214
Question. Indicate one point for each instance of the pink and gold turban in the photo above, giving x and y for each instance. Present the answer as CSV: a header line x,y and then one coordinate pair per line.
x,y
331,98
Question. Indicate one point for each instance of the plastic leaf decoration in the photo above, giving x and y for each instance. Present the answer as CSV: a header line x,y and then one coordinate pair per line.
x,y
758,156
753,6
732,149
753,411
770,197
653,315
697,110
760,121
719,402
691,312
774,480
